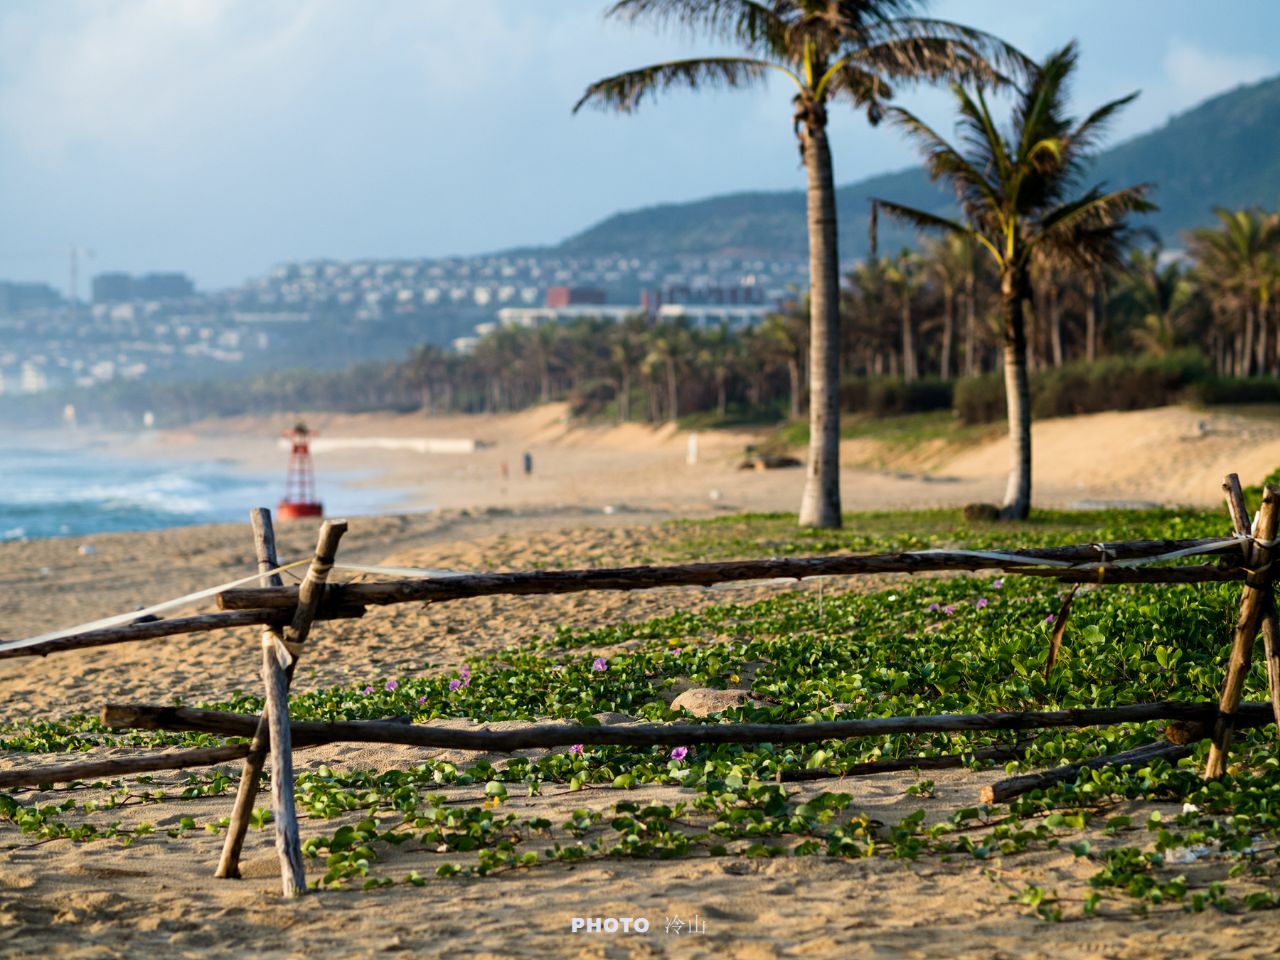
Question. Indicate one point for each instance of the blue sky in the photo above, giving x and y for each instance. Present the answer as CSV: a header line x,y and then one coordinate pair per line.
x,y
220,136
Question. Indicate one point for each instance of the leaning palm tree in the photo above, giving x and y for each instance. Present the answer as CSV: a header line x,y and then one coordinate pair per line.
x,y
831,50
1018,195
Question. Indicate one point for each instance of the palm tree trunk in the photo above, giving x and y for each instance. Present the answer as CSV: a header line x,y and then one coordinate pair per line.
x,y
793,381
1246,351
820,505
970,323
948,331
1090,317
1262,339
1017,496
1055,324
908,340
673,395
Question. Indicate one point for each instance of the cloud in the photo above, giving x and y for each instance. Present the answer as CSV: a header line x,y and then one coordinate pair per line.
x,y
126,74
1196,74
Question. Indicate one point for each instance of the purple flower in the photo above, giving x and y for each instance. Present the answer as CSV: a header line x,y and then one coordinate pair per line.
x,y
368,690
997,584
1049,618
679,753
391,685
948,609
934,607
600,665
422,701
980,602
455,684
576,748
677,650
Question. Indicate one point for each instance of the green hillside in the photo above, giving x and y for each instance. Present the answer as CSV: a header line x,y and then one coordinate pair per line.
x,y
754,224
1216,154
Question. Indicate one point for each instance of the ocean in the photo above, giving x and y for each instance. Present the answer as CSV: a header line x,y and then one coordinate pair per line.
x,y
61,491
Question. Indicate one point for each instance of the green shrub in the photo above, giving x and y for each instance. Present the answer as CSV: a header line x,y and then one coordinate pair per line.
x,y
1112,383
1234,390
883,396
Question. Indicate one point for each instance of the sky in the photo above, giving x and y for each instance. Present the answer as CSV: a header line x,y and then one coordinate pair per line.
x,y
218,137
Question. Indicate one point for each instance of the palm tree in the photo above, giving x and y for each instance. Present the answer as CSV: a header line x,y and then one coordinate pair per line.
x,y
1017,193
780,341
949,260
851,50
1238,261
904,276
1162,297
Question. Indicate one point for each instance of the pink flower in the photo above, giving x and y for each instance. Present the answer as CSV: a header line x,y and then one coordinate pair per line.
x,y
980,602
391,685
422,701
997,584
368,690
948,610
455,684
576,748
679,753
677,650
1049,618
600,665
934,607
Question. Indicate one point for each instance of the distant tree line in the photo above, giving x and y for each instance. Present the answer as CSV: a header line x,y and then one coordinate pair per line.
x,y
922,330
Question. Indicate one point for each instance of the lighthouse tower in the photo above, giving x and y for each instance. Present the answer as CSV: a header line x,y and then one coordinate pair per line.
x,y
300,481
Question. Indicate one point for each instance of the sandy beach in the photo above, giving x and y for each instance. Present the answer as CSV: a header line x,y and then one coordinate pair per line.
x,y
596,497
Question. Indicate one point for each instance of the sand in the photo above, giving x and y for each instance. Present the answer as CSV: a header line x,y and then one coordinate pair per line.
x,y
157,896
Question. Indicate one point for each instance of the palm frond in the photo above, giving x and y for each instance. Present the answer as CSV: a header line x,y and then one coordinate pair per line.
x,y
973,187
862,88
757,26
1097,207
924,220
1093,231
914,48
1086,135
626,91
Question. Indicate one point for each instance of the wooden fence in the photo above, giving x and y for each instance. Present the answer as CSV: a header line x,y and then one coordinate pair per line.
x,y
287,614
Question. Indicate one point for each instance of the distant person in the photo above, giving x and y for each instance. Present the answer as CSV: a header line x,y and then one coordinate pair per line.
x,y
528,463
504,470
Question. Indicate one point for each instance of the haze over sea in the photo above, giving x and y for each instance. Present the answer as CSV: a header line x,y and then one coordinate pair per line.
x,y
53,490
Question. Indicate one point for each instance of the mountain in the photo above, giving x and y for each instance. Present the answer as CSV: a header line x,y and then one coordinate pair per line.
x,y
1224,152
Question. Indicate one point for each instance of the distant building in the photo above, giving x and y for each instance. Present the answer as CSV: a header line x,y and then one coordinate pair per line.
x,y
112,288
163,286
121,287
574,296
16,297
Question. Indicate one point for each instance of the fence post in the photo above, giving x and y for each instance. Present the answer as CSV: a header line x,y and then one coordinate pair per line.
x,y
288,844
1255,600
1270,623
264,542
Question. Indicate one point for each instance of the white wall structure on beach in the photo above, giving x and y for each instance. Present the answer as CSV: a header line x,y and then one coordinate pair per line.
x,y
451,445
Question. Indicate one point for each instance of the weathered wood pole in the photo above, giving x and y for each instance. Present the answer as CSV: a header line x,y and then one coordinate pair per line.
x,y
1088,557
1004,790
143,716
1270,625
264,542
293,880
1253,603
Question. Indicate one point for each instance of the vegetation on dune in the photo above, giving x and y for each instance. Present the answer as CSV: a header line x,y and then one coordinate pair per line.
x,y
918,646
